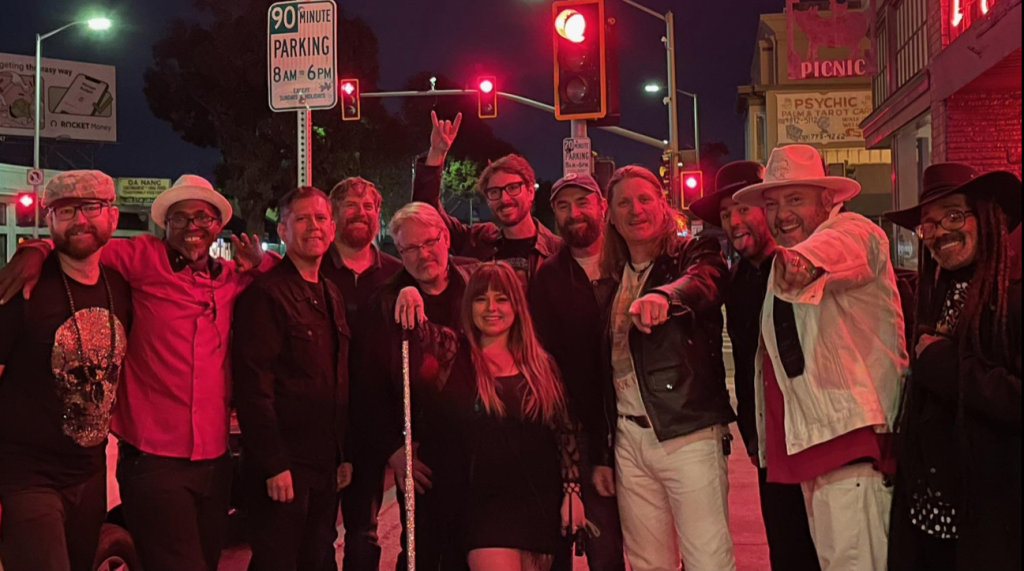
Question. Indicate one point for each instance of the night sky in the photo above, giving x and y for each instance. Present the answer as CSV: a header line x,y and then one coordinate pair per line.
x,y
461,39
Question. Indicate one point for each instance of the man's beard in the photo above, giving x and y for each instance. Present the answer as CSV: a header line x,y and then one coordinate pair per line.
x,y
64,244
582,236
358,237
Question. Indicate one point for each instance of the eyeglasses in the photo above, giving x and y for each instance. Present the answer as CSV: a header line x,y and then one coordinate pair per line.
x,y
495,192
90,210
428,245
951,222
181,221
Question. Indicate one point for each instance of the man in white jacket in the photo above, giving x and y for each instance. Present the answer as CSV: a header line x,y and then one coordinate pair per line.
x,y
832,358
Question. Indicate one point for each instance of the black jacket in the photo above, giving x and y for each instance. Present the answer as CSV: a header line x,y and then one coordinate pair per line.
x,y
679,366
743,313
291,378
977,451
570,315
480,242
377,356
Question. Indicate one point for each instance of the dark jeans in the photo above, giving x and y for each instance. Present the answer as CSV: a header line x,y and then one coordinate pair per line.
x,y
784,513
50,529
604,553
360,508
176,509
291,536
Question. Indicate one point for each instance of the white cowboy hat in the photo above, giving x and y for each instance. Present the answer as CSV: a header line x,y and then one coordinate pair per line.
x,y
190,187
798,165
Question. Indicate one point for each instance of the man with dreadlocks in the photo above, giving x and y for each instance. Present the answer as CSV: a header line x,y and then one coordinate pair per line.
x,y
958,488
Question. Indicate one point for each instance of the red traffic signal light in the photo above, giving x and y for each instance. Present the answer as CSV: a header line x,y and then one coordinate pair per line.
x,y
581,77
25,210
351,109
693,187
488,89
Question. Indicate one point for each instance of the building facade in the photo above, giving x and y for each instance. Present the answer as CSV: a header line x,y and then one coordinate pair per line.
x,y
825,112
948,89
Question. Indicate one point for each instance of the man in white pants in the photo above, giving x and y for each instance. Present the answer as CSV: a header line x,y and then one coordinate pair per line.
x,y
832,358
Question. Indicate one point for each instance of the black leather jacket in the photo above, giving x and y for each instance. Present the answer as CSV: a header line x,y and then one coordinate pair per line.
x,y
679,366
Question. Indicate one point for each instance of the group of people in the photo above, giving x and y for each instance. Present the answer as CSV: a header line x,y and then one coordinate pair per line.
x,y
569,391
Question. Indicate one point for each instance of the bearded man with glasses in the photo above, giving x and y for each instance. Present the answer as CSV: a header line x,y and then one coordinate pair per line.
x,y
509,186
172,412
60,361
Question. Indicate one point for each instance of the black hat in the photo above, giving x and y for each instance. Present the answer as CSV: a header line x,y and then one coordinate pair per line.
x,y
945,179
733,178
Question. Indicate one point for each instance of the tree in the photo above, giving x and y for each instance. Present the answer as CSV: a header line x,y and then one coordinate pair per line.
x,y
208,80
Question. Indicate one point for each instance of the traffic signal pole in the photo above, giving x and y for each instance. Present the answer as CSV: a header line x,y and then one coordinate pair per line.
x,y
624,133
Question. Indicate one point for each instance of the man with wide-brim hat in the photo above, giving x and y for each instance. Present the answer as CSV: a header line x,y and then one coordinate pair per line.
x,y
957,496
782,505
172,413
832,357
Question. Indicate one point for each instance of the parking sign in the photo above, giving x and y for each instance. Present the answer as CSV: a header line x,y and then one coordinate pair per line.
x,y
301,57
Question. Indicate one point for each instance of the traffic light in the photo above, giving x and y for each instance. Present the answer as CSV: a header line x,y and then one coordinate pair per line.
x,y
25,208
693,187
488,89
666,171
351,110
581,80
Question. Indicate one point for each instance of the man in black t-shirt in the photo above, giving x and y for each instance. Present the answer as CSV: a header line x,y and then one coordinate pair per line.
x,y
60,361
509,187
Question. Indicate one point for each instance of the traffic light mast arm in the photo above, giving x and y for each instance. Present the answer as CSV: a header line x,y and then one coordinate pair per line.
x,y
625,133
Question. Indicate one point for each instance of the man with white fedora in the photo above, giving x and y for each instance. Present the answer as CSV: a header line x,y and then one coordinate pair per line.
x,y
832,358
172,412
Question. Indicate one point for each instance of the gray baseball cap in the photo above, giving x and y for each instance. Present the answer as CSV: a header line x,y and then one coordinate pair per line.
x,y
584,181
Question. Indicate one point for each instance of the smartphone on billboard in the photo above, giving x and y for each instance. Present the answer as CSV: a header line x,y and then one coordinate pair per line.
x,y
82,97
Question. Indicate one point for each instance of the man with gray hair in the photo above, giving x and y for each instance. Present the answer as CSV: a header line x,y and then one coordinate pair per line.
x,y
60,362
429,287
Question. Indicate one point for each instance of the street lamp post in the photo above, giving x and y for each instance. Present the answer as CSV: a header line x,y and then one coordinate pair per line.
x,y
655,88
95,24
673,111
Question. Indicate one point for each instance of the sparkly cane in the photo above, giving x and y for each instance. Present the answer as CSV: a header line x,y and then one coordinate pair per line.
x,y
410,484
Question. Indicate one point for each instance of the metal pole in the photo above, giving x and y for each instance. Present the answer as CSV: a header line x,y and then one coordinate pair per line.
x,y
38,121
410,484
579,129
305,153
673,108
696,130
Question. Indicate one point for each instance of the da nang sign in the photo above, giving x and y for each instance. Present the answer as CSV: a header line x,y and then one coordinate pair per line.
x,y
301,59
830,44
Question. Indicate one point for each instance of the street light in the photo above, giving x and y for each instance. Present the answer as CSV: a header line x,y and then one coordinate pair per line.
x,y
99,24
95,24
655,88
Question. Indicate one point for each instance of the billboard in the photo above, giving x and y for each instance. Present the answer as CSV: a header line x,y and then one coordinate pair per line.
x,y
839,41
79,99
823,118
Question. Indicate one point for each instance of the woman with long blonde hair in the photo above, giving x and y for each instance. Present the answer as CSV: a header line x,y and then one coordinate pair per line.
x,y
524,492
498,399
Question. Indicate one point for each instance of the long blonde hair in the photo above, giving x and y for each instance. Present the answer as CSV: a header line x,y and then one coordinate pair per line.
x,y
616,252
545,396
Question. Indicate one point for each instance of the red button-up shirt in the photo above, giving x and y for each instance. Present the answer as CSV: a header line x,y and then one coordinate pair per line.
x,y
174,398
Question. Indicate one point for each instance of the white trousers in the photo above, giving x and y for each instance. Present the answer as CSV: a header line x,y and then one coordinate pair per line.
x,y
848,510
674,500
